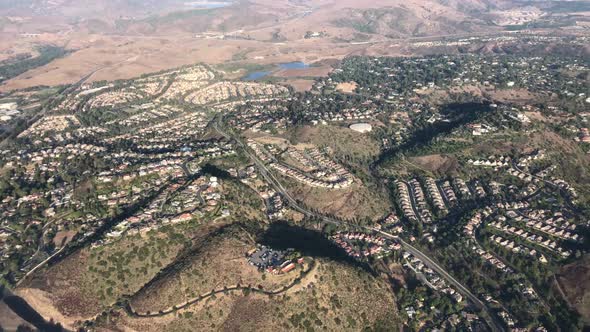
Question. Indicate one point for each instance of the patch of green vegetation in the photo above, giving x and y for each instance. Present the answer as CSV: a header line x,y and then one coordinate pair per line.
x,y
358,25
15,67
241,55
247,68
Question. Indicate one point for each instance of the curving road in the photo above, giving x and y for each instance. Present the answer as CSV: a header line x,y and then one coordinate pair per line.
x,y
492,320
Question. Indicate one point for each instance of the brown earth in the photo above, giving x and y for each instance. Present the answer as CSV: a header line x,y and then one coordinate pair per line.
x,y
346,87
300,85
9,321
125,41
63,288
331,293
51,308
219,254
438,164
574,280
341,141
357,201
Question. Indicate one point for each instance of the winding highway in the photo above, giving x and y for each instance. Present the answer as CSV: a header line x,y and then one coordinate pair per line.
x,y
490,318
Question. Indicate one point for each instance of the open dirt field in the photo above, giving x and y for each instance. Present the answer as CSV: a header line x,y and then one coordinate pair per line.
x,y
574,280
356,201
436,163
125,41
329,294
9,321
346,87
44,304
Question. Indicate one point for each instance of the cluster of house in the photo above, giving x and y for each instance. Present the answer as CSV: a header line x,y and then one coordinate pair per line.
x,y
43,156
475,188
322,172
584,135
521,175
532,72
539,240
346,115
165,168
517,248
526,160
275,204
202,193
478,189
478,129
506,317
462,187
564,185
192,73
492,161
490,259
404,199
221,91
543,175
184,81
8,111
392,224
127,197
112,99
180,87
361,245
302,177
60,197
435,194
514,114
53,123
413,201
554,226
179,127
512,205
152,87
147,113
195,73
273,261
174,205
69,136
430,278
256,116
473,224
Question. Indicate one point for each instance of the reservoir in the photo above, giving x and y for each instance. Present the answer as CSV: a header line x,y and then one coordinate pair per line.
x,y
294,65
256,75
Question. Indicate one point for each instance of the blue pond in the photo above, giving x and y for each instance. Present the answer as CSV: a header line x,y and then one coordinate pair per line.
x,y
256,75
293,65
289,65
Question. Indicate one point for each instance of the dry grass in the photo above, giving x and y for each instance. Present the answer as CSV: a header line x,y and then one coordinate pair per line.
x,y
436,163
357,201
346,87
219,255
574,280
333,297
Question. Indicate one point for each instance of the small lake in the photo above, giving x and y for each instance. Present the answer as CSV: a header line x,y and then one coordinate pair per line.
x,y
293,65
256,75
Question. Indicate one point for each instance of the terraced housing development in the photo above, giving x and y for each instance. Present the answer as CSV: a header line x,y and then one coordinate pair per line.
x,y
145,197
